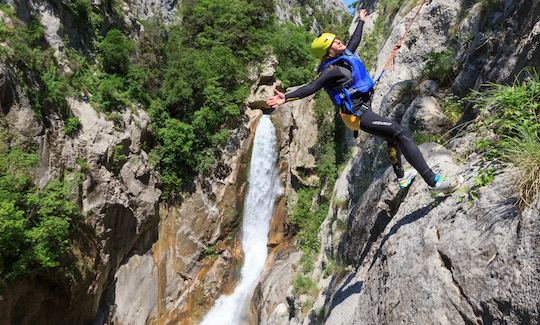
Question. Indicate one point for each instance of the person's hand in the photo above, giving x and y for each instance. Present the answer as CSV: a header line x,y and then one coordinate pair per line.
x,y
276,100
362,15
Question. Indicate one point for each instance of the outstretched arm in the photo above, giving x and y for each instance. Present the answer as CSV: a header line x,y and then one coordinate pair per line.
x,y
357,35
328,75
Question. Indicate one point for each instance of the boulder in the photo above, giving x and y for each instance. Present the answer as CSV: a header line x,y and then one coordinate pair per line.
x,y
425,115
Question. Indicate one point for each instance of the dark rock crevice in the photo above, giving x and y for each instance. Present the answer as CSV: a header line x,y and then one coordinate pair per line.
x,y
447,264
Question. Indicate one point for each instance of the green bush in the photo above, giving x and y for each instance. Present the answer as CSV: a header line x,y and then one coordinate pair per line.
x,y
81,8
237,24
43,83
523,150
304,285
83,164
110,94
307,217
291,46
453,109
34,224
114,52
71,125
174,154
7,9
118,158
440,66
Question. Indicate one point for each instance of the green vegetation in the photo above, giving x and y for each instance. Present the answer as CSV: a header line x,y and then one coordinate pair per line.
x,y
334,267
71,125
45,86
312,204
523,150
423,137
114,52
204,83
440,66
34,224
453,109
514,117
387,9
118,158
485,177
307,217
291,44
83,164
304,285
191,76
211,251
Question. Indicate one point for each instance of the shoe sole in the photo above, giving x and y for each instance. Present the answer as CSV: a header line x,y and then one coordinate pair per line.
x,y
460,181
409,182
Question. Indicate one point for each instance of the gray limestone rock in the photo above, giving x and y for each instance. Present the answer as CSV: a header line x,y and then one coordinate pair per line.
x,y
429,33
425,115
135,303
453,261
428,88
15,107
161,10
273,288
396,95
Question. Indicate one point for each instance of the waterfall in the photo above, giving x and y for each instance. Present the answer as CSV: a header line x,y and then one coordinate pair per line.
x,y
264,187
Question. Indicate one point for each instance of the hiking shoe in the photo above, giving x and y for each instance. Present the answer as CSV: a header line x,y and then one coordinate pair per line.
x,y
444,186
407,179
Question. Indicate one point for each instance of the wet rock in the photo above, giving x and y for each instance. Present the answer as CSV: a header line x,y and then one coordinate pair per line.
x,y
274,286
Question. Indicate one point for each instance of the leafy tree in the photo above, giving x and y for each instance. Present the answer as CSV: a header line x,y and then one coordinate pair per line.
x,y
291,44
114,52
34,224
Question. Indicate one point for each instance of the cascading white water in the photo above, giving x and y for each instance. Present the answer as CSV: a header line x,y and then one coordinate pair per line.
x,y
264,187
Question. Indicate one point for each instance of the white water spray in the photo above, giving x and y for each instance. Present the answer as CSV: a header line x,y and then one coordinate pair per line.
x,y
264,187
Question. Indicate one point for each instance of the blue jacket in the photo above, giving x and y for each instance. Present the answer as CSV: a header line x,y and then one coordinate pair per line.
x,y
361,81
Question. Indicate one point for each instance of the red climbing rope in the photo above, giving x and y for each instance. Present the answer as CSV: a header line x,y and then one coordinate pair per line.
x,y
400,42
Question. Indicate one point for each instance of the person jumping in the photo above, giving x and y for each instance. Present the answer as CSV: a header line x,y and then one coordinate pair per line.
x,y
344,77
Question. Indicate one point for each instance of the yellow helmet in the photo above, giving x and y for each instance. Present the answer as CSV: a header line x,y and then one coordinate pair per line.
x,y
321,44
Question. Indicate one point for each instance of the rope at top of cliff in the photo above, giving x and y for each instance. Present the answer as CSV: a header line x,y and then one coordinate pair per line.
x,y
398,44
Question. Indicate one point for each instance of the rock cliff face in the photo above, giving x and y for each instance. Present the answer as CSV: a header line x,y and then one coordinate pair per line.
x,y
404,254
408,258
118,197
297,12
146,262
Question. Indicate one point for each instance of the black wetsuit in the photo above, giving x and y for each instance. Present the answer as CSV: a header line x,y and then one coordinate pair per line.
x,y
398,136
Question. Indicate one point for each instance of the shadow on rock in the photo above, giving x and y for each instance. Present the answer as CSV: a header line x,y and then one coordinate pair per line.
x,y
408,219
346,290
